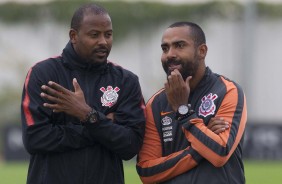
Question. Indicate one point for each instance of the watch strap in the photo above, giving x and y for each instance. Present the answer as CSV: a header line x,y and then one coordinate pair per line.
x,y
89,117
180,117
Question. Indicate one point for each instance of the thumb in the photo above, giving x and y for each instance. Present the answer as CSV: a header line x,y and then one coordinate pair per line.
x,y
76,85
188,80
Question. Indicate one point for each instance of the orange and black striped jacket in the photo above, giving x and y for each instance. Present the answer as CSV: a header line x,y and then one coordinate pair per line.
x,y
187,151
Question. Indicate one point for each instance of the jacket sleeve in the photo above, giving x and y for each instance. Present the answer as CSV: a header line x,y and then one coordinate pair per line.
x,y
125,135
40,133
152,167
217,149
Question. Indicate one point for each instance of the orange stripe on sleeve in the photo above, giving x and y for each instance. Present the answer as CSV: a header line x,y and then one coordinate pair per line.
x,y
217,149
26,102
185,164
150,159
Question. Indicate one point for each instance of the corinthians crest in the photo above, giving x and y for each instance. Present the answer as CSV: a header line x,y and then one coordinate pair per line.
x,y
208,107
110,96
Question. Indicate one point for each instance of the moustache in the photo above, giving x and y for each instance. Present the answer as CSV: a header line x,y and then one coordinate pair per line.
x,y
173,62
101,49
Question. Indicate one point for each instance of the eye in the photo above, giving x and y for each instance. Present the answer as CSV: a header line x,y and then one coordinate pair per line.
x,y
165,49
180,45
94,35
109,35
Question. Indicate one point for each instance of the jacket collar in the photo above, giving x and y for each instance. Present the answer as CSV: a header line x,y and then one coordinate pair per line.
x,y
206,78
73,61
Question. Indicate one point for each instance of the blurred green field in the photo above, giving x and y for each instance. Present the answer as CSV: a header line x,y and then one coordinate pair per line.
x,y
257,172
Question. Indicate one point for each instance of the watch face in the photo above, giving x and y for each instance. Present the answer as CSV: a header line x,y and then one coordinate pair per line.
x,y
183,109
93,118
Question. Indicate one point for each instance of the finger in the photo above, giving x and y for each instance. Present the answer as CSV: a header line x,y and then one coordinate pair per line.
x,y
170,79
188,80
218,124
212,122
215,120
174,82
219,118
179,76
216,127
221,123
58,87
50,98
76,85
52,91
54,107
209,125
218,131
173,77
57,110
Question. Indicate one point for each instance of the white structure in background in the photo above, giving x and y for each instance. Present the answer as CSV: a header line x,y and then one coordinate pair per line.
x,y
248,52
162,1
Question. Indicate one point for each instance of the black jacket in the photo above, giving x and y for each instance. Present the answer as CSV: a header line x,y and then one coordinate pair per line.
x,y
62,150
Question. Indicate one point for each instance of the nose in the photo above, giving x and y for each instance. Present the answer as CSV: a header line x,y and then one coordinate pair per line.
x,y
171,54
102,40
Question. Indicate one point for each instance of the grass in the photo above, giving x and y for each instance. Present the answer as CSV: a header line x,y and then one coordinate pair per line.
x,y
130,174
263,172
257,172
13,173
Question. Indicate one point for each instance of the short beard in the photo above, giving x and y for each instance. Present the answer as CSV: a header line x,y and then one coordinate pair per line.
x,y
169,62
187,68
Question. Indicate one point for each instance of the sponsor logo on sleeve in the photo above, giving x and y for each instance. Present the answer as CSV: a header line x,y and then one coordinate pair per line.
x,y
166,120
167,129
168,139
165,113
167,134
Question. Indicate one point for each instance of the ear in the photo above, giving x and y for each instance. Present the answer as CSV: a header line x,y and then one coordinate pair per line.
x,y
73,35
202,51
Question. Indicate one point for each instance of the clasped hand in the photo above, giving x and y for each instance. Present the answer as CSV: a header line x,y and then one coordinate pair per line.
x,y
177,90
64,100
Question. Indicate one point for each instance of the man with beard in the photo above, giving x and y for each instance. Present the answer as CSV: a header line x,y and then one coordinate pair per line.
x,y
81,114
180,144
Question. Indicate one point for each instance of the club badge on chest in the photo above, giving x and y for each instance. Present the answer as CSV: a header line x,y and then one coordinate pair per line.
x,y
110,96
208,106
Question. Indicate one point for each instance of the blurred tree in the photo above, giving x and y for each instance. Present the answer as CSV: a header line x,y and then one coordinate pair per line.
x,y
126,16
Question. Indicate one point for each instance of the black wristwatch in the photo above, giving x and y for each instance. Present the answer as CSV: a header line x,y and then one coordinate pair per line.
x,y
92,117
184,111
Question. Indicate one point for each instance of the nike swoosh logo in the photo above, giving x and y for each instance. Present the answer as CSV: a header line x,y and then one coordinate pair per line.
x,y
165,113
